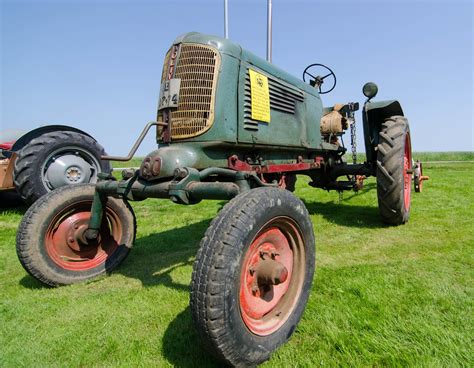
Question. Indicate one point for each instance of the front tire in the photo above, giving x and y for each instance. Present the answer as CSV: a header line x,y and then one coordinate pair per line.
x,y
56,159
394,163
252,275
51,243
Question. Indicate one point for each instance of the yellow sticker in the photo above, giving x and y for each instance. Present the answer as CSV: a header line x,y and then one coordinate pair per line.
x,y
260,96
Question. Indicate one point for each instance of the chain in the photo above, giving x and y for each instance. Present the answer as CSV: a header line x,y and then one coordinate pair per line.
x,y
353,137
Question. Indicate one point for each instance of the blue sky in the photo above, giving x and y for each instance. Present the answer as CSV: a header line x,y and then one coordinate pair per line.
x,y
96,64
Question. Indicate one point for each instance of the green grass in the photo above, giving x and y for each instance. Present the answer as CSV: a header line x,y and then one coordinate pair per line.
x,y
382,296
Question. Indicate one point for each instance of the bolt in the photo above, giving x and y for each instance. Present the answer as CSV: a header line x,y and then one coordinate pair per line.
x,y
252,270
180,173
254,289
70,240
76,226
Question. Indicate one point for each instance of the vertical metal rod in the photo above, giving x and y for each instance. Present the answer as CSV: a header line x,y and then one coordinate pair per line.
x,y
269,31
226,19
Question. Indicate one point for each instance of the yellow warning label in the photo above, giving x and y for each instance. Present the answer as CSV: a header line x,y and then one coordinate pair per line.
x,y
260,96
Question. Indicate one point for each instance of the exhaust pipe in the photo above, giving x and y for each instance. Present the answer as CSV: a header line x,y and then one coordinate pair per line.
x,y
269,31
226,19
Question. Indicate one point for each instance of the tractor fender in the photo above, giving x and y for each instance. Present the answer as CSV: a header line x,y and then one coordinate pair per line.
x,y
373,116
26,138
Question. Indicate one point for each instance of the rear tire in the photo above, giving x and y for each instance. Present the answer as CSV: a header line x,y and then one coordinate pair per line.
x,y
393,161
241,325
50,239
56,159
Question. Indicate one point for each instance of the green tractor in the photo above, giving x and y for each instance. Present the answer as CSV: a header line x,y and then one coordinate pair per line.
x,y
230,126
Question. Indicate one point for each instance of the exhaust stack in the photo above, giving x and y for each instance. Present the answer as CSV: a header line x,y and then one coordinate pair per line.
x,y
226,19
269,31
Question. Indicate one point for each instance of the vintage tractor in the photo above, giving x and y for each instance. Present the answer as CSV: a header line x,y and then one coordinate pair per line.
x,y
43,159
230,126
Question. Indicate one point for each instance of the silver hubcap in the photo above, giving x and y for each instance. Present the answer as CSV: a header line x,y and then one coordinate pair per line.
x,y
68,168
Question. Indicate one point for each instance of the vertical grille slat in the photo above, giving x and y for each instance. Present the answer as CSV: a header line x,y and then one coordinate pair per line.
x,y
197,67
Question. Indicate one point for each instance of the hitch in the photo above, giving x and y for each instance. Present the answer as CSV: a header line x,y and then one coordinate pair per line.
x,y
418,176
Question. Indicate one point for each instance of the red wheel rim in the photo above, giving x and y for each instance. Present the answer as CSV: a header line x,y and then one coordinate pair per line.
x,y
66,244
407,165
264,309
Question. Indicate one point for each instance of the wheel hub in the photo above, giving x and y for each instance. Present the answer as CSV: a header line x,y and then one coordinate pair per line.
x,y
73,174
267,271
68,169
266,278
69,247
407,172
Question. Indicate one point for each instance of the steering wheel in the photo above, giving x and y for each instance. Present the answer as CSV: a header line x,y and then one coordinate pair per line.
x,y
318,80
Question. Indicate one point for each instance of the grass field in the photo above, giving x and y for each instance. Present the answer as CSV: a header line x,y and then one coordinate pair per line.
x,y
382,296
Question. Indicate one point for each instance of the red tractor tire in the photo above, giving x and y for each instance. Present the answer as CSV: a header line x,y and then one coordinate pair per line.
x,y
252,275
394,163
50,241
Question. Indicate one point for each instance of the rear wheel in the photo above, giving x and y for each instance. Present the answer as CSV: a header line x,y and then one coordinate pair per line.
x,y
252,275
56,159
394,164
51,242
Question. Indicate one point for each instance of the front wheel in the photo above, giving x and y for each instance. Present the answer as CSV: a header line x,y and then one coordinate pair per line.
x,y
252,275
51,242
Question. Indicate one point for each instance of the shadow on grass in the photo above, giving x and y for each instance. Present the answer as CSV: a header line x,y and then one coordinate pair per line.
x,y
152,261
30,282
11,202
154,257
181,344
345,214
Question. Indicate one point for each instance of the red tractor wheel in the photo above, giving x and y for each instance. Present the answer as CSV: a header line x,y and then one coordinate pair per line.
x,y
252,275
394,171
51,242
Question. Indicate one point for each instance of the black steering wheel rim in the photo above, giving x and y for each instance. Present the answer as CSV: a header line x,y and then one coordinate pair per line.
x,y
305,72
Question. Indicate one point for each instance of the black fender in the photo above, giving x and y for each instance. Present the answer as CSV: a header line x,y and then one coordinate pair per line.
x,y
373,116
26,138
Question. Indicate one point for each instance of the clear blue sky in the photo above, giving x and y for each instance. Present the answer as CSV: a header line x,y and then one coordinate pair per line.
x,y
96,64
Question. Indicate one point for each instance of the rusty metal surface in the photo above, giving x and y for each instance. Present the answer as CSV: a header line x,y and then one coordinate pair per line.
x,y
302,165
6,173
197,67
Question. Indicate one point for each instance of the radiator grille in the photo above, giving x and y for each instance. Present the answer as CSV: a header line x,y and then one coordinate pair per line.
x,y
197,67
165,65
282,98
